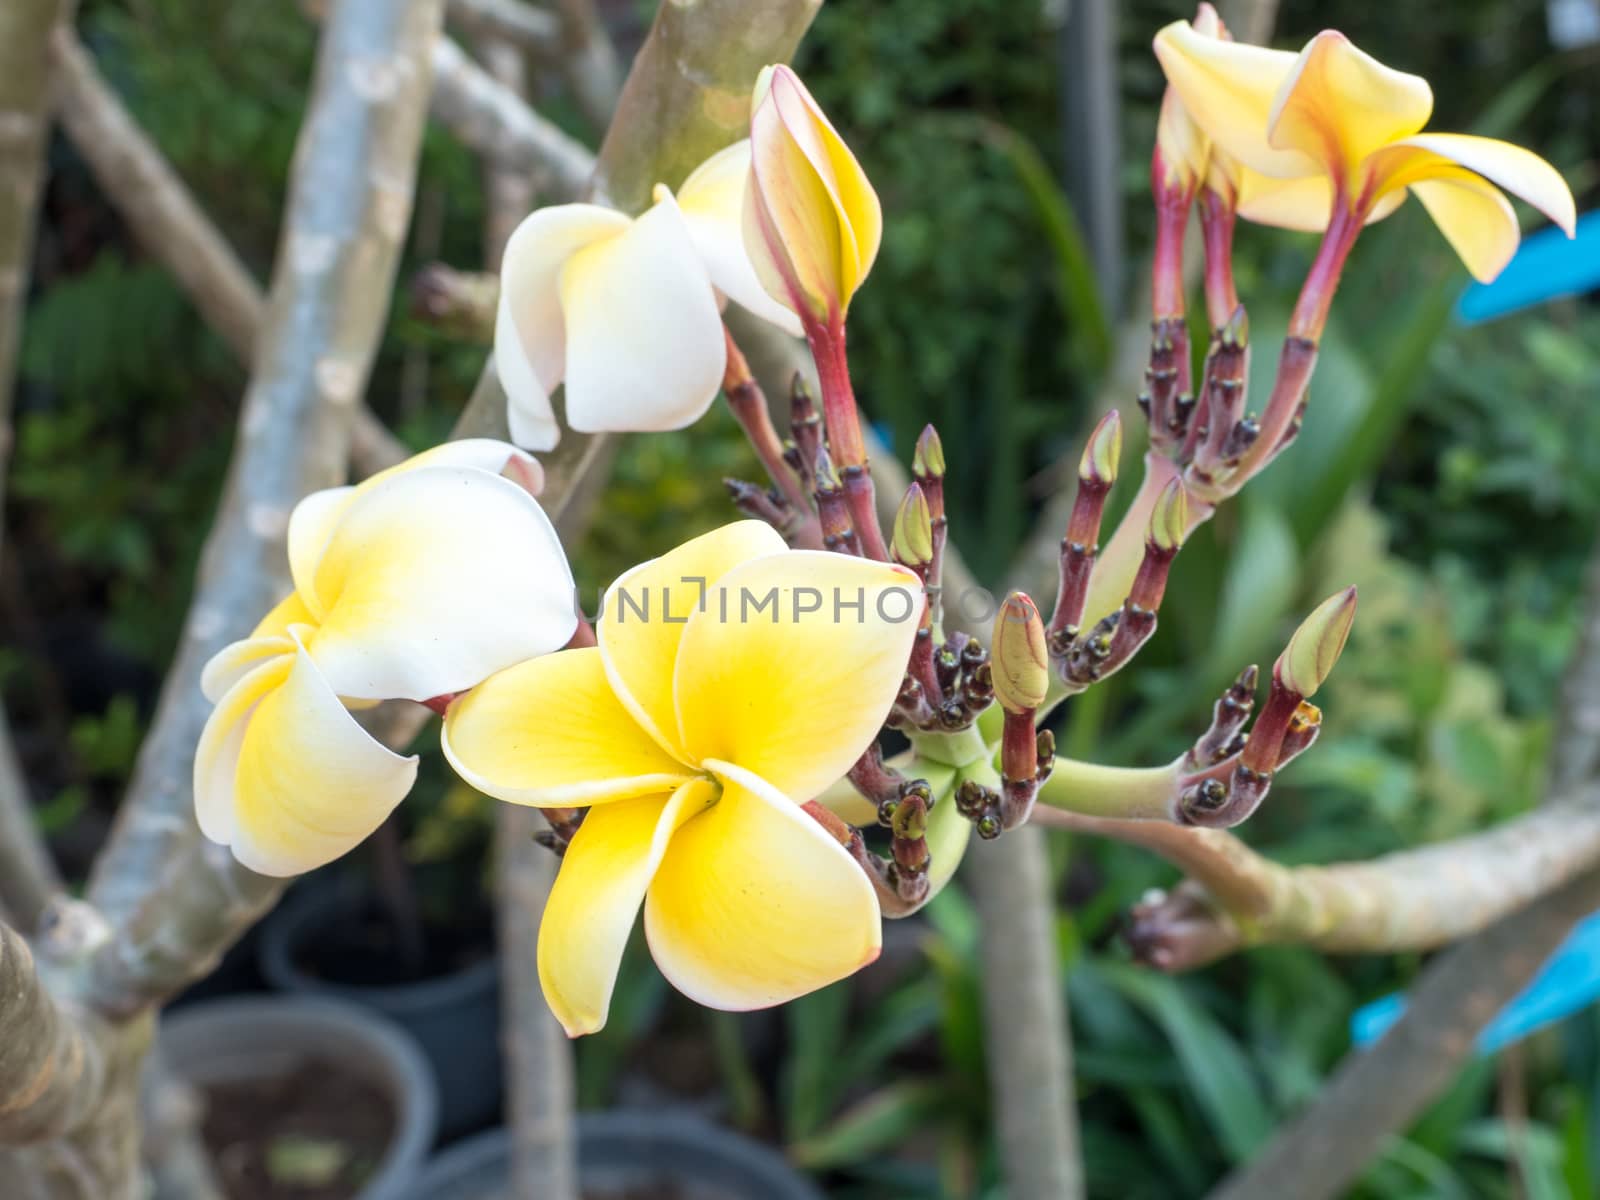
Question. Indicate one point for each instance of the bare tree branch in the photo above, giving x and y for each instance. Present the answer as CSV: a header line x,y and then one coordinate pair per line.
x,y
1414,899
589,61
493,120
172,227
173,904
510,22
1382,1089
27,876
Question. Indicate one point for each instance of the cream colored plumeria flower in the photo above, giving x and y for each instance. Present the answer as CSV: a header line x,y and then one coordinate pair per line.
x,y
625,311
418,583
1182,148
734,680
812,222
1333,125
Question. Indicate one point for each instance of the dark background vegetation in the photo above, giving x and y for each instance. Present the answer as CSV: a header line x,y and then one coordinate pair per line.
x,y
1454,474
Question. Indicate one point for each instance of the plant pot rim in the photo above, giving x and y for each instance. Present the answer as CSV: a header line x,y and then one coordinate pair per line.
x,y
189,1039
281,934
606,1138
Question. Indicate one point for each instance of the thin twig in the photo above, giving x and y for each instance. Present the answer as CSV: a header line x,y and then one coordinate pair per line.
x,y
509,22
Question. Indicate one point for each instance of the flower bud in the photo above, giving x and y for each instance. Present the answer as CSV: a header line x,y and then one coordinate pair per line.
x,y
912,542
1308,659
1019,657
928,460
812,222
1100,457
1169,519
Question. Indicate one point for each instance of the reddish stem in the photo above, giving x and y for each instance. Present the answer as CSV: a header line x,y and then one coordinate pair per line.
x,y
1216,229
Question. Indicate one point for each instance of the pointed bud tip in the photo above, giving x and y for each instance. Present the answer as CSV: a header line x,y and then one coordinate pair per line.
x,y
1169,519
1019,657
1309,658
912,540
1103,451
928,460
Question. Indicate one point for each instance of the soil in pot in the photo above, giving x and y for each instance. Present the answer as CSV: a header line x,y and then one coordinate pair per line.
x,y
314,1132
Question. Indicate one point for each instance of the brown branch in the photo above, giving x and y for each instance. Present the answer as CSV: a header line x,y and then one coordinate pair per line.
x,y
589,61
494,121
174,904
51,1072
509,22
1379,1091
174,230
27,876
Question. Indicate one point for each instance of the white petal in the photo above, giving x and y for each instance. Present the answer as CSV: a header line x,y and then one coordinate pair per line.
x,y
712,202
645,349
530,332
434,580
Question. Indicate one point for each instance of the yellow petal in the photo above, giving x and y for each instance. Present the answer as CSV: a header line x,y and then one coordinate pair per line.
x,y
1521,172
753,904
237,659
435,579
1228,89
1303,204
597,895
551,732
530,334
794,663
285,775
1185,150
1339,105
643,616
812,224
316,516
1475,218
645,348
712,202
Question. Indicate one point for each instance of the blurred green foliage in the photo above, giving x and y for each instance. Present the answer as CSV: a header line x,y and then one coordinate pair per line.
x,y
1453,474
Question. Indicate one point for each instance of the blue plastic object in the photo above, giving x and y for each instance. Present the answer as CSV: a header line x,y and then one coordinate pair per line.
x,y
1568,982
1547,265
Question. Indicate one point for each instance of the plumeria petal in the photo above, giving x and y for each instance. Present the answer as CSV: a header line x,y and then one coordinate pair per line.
x,y
645,349
1520,172
307,783
1339,105
712,202
551,732
530,333
1305,204
793,663
236,660
1475,217
435,579
1228,89
753,904
596,898
314,519
644,613
812,222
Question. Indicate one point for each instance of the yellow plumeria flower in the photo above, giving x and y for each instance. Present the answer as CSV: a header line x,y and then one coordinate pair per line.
x,y
418,583
1332,131
1183,151
813,224
625,311
734,680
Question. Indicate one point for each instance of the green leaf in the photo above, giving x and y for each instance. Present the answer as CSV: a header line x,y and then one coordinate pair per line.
x,y
816,1036
1217,1070
885,1118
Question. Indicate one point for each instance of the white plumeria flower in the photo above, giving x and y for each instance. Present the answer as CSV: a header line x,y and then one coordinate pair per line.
x,y
418,583
626,311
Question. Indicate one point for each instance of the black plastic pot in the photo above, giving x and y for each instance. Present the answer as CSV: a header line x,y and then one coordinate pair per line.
x,y
260,1037
455,1017
628,1152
